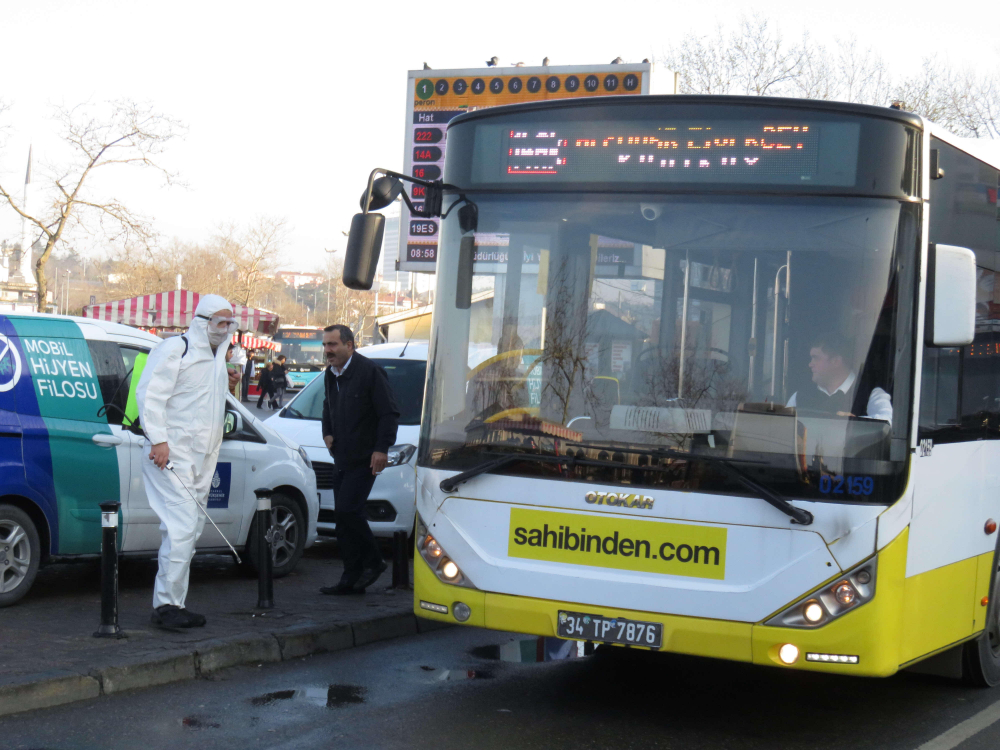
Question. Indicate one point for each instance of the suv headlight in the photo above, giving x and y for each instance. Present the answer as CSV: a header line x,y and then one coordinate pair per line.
x,y
400,454
305,458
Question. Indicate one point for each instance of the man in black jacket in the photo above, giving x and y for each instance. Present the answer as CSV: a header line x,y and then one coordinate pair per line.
x,y
360,417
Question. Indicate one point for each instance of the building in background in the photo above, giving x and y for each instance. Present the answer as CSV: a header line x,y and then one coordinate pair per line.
x,y
296,279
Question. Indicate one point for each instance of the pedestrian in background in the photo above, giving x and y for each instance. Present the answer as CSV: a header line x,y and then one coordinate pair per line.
x,y
247,377
360,418
266,387
280,380
239,359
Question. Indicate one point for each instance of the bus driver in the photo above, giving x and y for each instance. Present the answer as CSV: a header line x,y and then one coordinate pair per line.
x,y
835,390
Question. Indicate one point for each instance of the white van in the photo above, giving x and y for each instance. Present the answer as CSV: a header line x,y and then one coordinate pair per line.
x,y
66,385
390,506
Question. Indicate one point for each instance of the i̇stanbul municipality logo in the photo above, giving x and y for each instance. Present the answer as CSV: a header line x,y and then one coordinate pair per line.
x,y
10,364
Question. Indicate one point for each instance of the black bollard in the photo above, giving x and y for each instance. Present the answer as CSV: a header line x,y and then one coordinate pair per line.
x,y
265,565
400,560
109,572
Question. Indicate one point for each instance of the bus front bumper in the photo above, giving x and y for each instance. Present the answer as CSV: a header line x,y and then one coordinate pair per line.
x,y
870,633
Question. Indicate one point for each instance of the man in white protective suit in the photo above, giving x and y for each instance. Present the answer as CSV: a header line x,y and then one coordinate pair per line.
x,y
182,406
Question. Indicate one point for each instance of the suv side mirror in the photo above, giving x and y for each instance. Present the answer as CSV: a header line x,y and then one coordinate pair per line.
x,y
951,296
233,425
363,247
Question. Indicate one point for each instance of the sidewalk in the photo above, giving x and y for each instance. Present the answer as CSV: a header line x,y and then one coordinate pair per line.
x,y
48,654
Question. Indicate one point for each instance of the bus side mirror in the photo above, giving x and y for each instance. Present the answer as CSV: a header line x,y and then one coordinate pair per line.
x,y
951,296
363,246
384,191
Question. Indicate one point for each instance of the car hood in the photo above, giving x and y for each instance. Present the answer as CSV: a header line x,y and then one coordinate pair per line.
x,y
309,432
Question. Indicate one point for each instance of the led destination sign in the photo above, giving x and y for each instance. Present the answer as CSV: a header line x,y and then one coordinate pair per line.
x,y
778,152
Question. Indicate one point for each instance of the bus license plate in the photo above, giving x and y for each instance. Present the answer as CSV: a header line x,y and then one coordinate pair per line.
x,y
583,627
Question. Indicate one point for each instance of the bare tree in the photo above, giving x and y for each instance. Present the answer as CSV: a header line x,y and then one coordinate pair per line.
x,y
753,59
254,253
116,134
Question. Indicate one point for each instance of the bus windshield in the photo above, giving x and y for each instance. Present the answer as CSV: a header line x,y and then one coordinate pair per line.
x,y
303,352
624,330
302,346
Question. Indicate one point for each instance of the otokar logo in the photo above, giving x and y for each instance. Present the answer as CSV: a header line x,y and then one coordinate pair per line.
x,y
10,364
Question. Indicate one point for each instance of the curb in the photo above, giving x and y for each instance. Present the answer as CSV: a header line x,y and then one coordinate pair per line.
x,y
58,687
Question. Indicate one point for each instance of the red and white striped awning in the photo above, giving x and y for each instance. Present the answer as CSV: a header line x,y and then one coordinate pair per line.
x,y
174,310
250,341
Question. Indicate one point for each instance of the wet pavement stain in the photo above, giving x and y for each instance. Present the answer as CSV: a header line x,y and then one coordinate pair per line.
x,y
338,695
491,652
452,675
268,698
332,696
193,722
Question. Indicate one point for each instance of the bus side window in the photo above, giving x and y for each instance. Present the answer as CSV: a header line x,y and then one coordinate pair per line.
x,y
939,394
979,407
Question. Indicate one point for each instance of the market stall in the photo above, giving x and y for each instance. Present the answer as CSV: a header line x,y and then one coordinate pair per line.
x,y
168,314
174,310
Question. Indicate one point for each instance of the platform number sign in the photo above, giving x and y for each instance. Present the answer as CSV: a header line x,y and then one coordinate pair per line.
x,y
435,97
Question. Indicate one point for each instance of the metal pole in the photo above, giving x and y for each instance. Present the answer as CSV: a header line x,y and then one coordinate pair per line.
x,y
684,321
109,572
774,333
400,560
753,329
265,564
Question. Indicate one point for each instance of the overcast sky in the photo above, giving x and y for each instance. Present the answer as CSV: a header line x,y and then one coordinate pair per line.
x,y
289,105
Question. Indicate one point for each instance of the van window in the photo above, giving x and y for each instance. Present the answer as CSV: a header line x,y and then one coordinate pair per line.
x,y
111,371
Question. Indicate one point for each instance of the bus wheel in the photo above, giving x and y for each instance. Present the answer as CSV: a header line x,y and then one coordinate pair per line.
x,y
981,659
20,553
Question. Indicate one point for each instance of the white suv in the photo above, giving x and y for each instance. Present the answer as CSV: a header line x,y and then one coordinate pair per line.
x,y
391,504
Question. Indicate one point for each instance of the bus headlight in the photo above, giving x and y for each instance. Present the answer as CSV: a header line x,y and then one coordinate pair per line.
x,y
828,602
433,553
789,653
813,611
450,571
845,593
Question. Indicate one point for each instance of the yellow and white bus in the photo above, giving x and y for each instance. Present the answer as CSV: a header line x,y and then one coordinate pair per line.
x,y
743,392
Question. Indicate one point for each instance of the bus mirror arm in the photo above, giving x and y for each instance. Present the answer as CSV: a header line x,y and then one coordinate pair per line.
x,y
367,229
382,191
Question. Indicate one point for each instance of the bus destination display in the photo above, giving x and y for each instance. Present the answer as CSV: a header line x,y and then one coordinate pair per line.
x,y
782,152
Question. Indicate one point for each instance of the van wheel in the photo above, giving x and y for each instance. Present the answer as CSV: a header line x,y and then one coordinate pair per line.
x,y
20,553
289,523
981,657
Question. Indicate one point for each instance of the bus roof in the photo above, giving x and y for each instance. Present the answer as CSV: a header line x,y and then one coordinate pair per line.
x,y
818,105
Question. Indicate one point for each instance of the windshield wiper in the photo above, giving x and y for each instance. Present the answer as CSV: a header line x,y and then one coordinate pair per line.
x,y
798,515
449,484
293,412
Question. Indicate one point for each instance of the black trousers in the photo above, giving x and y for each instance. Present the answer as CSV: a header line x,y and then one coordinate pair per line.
x,y
358,548
264,394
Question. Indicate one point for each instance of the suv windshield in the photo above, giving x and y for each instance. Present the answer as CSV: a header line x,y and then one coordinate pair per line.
x,y
406,378
773,332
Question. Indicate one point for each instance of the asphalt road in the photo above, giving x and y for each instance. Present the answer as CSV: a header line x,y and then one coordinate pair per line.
x,y
448,689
